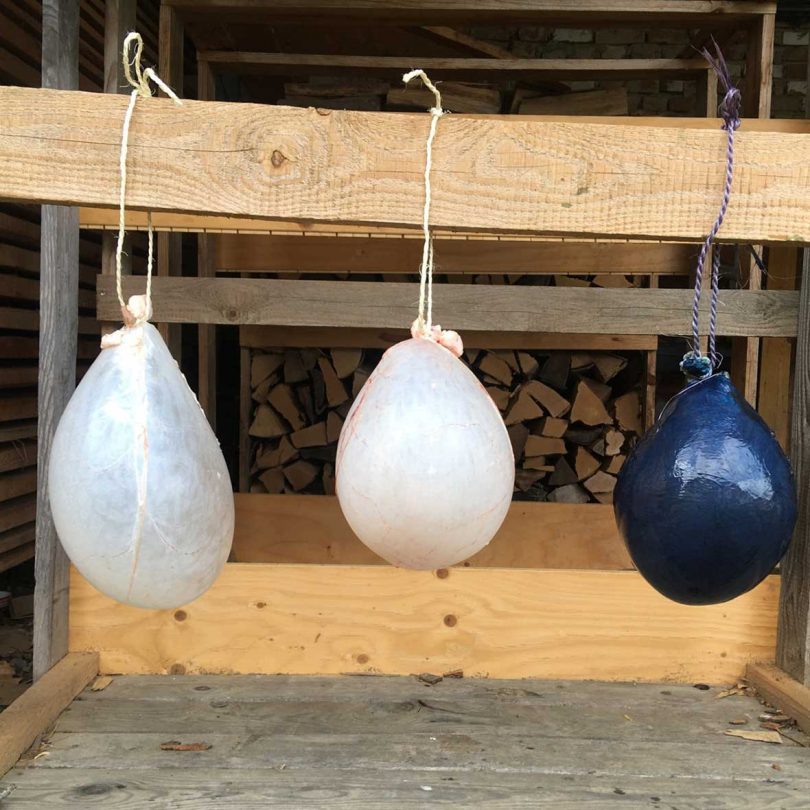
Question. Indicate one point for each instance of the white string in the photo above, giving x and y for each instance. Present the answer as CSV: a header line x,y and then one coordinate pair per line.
x,y
425,319
140,84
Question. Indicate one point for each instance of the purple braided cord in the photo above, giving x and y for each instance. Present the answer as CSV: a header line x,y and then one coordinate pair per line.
x,y
730,113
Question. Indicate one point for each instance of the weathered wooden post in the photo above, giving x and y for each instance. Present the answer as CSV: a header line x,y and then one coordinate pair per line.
x,y
58,330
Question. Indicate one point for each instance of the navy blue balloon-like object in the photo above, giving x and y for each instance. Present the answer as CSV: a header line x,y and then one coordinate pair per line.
x,y
706,502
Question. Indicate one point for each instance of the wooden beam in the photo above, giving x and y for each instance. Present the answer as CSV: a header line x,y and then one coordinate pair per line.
x,y
170,246
119,20
244,253
360,168
478,307
507,623
453,67
756,103
793,643
478,46
776,368
433,12
782,692
260,337
58,330
206,268
31,714
311,529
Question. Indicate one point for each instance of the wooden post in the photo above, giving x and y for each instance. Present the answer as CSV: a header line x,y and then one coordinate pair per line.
x,y
58,334
793,636
207,334
793,639
170,245
119,20
756,104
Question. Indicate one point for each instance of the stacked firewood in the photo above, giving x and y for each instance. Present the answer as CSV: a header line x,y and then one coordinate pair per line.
x,y
355,93
572,416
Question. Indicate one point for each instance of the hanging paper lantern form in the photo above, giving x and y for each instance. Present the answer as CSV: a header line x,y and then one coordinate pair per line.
x,y
706,503
140,494
425,469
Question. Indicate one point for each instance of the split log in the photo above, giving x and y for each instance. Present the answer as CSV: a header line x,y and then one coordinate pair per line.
x,y
262,366
544,446
588,407
497,369
335,391
267,424
600,482
346,361
554,426
553,402
571,493
281,397
523,409
628,411
312,436
586,464
563,474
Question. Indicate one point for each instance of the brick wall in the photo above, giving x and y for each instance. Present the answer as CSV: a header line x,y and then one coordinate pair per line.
x,y
666,97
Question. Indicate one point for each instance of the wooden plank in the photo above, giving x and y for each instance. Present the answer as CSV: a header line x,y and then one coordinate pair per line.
x,y
244,253
119,20
260,337
14,538
782,692
793,646
17,455
170,246
49,138
15,484
368,789
775,373
34,711
373,305
20,406
312,529
206,267
380,715
607,625
479,46
21,554
594,12
59,284
17,511
263,63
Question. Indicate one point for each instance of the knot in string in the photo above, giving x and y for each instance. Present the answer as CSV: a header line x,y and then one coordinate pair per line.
x,y
423,325
695,364
139,81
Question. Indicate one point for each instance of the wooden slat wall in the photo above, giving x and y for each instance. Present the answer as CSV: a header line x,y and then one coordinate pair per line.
x,y
20,64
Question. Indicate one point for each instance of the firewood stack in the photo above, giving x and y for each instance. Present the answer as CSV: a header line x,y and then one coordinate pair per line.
x,y
572,416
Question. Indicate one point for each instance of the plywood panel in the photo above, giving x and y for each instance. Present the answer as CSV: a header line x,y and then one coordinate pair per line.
x,y
356,167
262,337
246,253
312,529
476,307
607,625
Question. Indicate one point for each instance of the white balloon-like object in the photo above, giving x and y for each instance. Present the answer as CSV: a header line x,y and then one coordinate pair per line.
x,y
140,494
425,469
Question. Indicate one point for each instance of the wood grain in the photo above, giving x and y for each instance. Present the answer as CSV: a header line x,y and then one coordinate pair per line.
x,y
684,12
793,644
461,307
261,337
782,692
203,788
312,529
246,253
35,710
607,625
58,326
489,69
354,167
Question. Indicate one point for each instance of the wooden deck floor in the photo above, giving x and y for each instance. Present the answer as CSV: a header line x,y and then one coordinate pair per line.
x,y
379,742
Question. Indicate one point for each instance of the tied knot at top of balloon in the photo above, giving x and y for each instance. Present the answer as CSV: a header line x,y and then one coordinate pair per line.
x,y
695,365
138,79
423,325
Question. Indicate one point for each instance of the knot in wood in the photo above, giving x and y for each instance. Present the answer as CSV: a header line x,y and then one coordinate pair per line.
x,y
278,158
